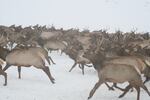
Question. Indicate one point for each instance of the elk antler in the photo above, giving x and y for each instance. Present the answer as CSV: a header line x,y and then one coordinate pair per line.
x,y
100,42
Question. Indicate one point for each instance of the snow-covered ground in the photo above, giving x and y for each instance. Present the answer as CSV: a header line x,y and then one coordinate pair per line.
x,y
35,85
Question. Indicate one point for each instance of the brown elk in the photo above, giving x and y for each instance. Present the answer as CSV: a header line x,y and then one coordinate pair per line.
x,y
76,53
29,56
116,73
82,61
55,45
140,64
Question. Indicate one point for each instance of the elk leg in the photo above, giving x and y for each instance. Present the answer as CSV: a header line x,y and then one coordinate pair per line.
x,y
51,60
131,89
50,51
95,88
1,67
47,71
138,92
6,67
61,53
145,88
110,88
48,60
126,90
19,72
5,76
82,67
73,66
146,80
115,85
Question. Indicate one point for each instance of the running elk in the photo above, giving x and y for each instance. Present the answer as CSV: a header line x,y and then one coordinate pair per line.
x,y
117,73
28,56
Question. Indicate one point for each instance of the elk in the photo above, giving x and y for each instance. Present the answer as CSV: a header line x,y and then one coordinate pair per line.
x,y
4,52
50,35
140,64
27,57
116,73
51,40
55,45
51,46
81,61
76,53
2,72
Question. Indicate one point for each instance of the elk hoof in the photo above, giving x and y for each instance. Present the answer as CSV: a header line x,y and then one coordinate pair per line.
x,y
69,70
53,82
89,98
52,79
120,96
132,90
4,84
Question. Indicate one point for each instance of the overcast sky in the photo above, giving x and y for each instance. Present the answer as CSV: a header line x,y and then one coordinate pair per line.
x,y
125,15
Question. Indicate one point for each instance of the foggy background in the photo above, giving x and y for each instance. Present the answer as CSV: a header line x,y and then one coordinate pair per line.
x,y
125,15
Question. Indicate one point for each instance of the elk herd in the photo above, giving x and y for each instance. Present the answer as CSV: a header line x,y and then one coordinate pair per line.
x,y
117,57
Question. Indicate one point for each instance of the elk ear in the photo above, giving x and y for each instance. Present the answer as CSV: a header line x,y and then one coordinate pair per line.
x,y
147,62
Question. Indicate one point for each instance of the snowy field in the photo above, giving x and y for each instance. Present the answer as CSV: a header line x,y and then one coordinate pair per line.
x,y
35,85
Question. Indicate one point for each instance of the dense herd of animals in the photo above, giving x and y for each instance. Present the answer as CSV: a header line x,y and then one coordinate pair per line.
x,y
117,57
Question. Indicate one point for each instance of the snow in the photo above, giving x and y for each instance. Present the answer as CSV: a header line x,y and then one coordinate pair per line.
x,y
35,85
